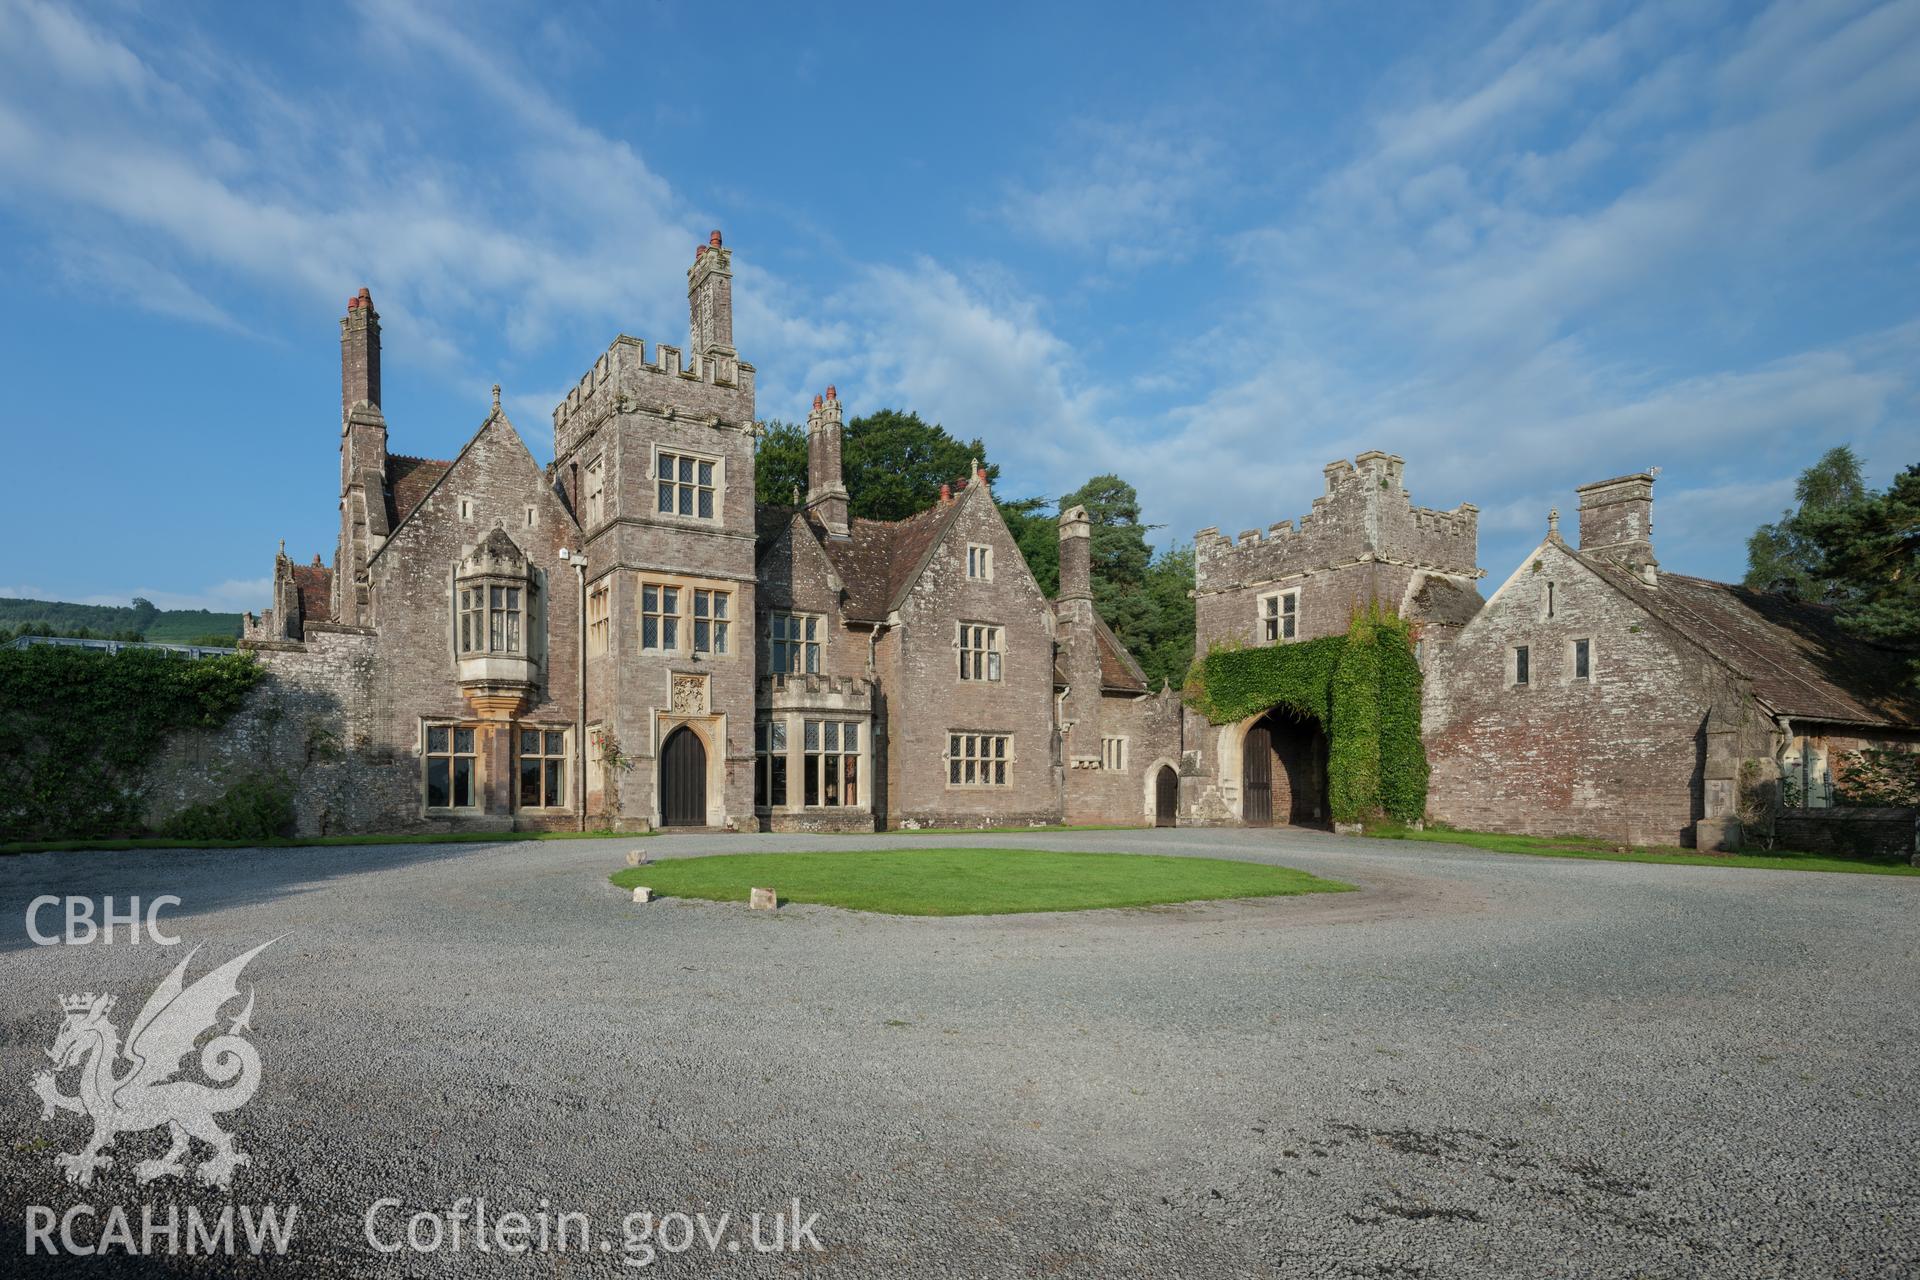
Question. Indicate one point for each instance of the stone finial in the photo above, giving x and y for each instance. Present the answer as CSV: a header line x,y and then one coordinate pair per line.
x,y
1553,523
496,397
796,495
283,548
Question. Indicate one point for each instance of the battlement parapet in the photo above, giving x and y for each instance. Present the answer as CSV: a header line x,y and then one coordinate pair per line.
x,y
719,385
1365,514
812,691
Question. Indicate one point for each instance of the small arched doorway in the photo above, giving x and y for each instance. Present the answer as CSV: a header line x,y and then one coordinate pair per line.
x,y
1166,797
683,780
1283,763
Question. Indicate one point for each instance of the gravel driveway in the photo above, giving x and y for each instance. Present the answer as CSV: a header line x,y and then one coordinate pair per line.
x,y
1479,1066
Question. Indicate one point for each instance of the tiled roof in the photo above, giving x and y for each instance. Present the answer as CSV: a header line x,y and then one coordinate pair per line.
x,y
879,560
408,482
1118,670
315,585
1797,657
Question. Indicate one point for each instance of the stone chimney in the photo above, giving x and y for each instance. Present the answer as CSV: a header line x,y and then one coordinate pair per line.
x,y
826,490
359,354
710,300
1076,555
1616,521
363,457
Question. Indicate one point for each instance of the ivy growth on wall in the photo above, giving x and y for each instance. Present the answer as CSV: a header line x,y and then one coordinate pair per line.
x,y
79,727
1363,688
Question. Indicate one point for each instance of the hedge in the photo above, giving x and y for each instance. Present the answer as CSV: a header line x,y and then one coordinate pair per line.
x,y
1364,690
79,727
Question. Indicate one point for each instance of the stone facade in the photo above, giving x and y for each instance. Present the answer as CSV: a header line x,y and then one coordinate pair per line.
x,y
623,638
1597,695
1364,544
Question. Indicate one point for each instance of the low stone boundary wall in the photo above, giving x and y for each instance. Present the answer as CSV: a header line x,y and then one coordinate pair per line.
x,y
1850,833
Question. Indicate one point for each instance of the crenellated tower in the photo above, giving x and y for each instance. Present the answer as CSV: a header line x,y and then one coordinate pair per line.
x,y
1364,542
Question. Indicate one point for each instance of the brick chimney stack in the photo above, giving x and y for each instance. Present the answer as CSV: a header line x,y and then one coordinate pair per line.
x,y
826,488
1076,555
359,354
710,300
1616,521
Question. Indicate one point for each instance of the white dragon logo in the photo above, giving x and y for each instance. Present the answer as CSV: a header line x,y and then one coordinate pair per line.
x,y
146,1095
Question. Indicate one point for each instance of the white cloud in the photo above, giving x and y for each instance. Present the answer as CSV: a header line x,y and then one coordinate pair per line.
x,y
1128,193
104,144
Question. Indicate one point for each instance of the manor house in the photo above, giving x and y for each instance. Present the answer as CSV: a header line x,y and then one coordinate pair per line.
x,y
625,638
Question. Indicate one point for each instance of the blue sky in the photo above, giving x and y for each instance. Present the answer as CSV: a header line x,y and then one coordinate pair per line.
x,y
1524,247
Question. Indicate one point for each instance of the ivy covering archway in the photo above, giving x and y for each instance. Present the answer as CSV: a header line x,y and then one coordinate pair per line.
x,y
1363,688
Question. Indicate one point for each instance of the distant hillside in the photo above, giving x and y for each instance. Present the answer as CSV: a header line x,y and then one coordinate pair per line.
x,y
141,618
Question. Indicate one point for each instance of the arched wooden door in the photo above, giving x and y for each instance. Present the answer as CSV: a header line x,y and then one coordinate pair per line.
x,y
1256,790
683,780
1166,799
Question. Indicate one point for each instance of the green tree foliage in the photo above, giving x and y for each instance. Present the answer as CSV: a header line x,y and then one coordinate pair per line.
x,y
780,463
894,463
78,728
1781,557
1166,651
1867,555
137,621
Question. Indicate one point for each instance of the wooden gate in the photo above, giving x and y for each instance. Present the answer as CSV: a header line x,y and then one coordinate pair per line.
x,y
1166,806
683,780
1256,755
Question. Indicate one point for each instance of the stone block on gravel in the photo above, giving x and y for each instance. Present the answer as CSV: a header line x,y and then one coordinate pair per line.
x,y
763,900
635,858
641,893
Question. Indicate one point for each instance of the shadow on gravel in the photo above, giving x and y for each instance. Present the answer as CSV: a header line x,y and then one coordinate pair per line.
x,y
205,880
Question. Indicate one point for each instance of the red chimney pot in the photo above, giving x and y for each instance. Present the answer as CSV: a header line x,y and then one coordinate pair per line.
x,y
816,402
714,239
832,394
946,493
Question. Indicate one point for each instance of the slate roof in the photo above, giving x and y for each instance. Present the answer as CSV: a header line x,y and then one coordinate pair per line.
x,y
314,582
1118,671
409,480
879,560
1444,602
1797,657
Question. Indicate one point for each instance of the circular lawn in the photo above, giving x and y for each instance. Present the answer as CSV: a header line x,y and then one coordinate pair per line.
x,y
970,882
